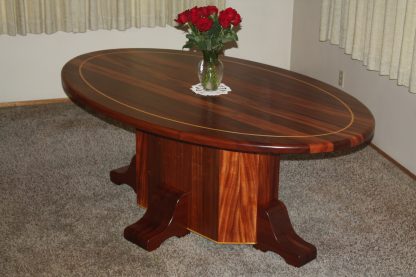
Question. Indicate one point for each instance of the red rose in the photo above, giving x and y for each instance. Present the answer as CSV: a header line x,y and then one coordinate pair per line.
x,y
229,16
208,11
204,24
230,13
212,10
236,20
194,15
224,22
183,17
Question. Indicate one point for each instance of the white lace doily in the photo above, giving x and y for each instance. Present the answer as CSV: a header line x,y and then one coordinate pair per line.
x,y
222,89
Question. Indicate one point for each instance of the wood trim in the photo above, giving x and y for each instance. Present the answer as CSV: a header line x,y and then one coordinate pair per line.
x,y
396,163
34,102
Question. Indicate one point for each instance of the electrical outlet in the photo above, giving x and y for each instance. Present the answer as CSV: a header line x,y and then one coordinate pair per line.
x,y
341,78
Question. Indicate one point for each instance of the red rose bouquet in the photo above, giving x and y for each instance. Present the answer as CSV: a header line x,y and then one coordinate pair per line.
x,y
209,30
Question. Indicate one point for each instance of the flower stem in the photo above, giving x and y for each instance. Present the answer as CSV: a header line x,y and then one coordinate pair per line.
x,y
209,78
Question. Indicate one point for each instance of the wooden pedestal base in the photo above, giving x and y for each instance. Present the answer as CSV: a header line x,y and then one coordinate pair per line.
x,y
275,233
229,197
165,217
125,175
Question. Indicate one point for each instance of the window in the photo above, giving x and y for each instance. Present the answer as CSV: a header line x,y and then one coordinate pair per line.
x,y
49,16
381,33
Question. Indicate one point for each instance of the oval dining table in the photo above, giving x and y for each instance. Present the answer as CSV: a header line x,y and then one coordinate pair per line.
x,y
210,164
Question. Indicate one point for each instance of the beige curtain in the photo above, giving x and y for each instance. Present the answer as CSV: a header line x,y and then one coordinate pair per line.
x,y
381,33
49,16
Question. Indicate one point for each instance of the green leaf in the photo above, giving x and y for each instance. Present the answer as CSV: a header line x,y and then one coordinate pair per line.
x,y
189,44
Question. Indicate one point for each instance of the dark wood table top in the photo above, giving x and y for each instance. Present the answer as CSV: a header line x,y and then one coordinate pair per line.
x,y
269,110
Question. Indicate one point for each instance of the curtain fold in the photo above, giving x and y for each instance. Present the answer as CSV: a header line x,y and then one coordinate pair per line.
x,y
381,33
50,16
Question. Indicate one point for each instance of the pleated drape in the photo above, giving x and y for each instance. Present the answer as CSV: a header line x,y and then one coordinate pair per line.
x,y
381,33
49,16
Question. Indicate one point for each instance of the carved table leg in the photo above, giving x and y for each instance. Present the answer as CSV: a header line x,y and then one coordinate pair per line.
x,y
125,175
165,217
275,233
274,229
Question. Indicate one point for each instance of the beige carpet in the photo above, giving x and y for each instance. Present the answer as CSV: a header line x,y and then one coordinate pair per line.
x,y
61,215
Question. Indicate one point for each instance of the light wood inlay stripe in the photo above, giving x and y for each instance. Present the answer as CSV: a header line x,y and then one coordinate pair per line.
x,y
271,110
352,116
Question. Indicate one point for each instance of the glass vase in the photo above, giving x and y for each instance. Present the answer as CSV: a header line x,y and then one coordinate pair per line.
x,y
210,71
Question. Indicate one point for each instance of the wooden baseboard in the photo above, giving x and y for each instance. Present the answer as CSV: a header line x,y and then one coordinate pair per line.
x,y
34,102
396,163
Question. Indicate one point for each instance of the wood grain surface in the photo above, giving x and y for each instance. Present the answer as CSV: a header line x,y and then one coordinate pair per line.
x,y
211,164
222,185
268,110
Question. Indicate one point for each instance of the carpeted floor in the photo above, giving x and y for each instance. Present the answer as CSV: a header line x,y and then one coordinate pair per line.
x,y
61,215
